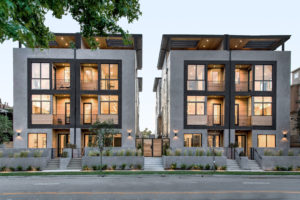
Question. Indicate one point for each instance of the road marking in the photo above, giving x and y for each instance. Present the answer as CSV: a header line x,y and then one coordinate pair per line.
x,y
256,183
139,193
46,183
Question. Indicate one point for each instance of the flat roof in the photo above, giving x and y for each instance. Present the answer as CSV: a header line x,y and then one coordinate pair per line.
x,y
156,81
219,42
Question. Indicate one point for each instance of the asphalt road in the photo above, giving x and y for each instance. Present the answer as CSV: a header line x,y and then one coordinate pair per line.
x,y
150,187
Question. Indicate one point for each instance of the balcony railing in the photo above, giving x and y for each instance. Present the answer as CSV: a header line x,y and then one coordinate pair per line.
x,y
92,118
61,119
215,85
62,84
242,120
215,120
243,86
89,85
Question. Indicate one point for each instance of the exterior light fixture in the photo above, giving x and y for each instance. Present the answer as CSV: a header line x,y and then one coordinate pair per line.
x,y
129,132
175,131
285,132
18,133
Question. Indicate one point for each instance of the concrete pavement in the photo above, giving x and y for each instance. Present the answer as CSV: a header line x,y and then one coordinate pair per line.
x,y
150,187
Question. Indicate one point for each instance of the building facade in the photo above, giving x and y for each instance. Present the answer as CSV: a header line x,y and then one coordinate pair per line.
x,y
61,91
295,106
217,90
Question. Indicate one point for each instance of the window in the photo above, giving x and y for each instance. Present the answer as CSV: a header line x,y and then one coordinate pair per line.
x,y
109,77
296,75
262,106
90,140
41,104
115,141
40,76
211,142
192,140
195,105
37,140
196,77
109,104
266,141
67,74
263,78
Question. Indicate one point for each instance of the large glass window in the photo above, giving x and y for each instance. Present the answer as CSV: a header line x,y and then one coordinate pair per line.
x,y
41,104
262,106
213,140
196,77
109,104
109,77
263,78
266,141
192,140
37,140
195,105
90,140
40,76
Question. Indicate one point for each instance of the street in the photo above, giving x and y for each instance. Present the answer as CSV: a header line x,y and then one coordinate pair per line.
x,y
150,187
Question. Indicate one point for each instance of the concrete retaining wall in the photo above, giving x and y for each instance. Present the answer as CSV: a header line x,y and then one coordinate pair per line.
x,y
113,160
190,160
25,162
270,162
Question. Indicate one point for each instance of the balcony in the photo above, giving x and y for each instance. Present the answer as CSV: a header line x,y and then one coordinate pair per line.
x,y
61,119
61,76
196,119
218,86
49,119
62,84
89,85
91,119
215,120
243,86
243,120
262,120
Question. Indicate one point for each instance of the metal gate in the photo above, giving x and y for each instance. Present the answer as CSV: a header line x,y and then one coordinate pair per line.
x,y
153,147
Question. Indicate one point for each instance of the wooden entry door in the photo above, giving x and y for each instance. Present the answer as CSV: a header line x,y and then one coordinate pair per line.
x,y
157,147
148,147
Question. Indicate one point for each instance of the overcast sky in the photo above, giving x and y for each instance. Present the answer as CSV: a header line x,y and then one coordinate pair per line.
x,y
159,17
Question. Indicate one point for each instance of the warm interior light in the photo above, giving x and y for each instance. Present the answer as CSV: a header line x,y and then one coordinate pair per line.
x,y
204,46
235,46
66,44
207,40
62,38
241,41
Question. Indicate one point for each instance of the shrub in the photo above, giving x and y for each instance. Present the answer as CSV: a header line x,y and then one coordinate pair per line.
x,y
139,152
123,166
113,167
29,168
298,168
85,167
128,153
196,167
12,169
208,153
178,152
218,153
201,167
3,168
94,153
190,153
223,167
197,153
290,153
10,155
108,153
268,152
216,166
94,167
24,154
104,167
279,153
173,166
185,153
277,168
37,154
120,153
201,153
1,154
207,167
131,166
190,167
139,166
183,166
168,152
38,169
283,169
290,168
64,154
16,155
19,168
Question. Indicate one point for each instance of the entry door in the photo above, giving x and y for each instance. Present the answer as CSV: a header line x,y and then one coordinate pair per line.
x,y
87,113
157,147
217,114
148,147
241,141
67,113
236,114
63,141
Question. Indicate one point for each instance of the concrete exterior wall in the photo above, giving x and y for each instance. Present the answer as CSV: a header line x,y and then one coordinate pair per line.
x,y
91,161
129,94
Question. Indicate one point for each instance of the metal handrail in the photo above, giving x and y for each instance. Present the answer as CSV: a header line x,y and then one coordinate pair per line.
x,y
213,120
243,120
215,85
259,156
62,84
243,85
89,85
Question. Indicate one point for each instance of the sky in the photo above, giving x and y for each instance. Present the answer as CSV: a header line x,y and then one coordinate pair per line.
x,y
255,17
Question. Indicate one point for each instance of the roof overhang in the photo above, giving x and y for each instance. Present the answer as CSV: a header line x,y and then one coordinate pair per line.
x,y
156,82
219,42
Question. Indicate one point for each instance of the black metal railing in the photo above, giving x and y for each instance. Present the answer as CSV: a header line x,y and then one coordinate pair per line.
x,y
215,120
62,84
88,119
243,120
89,85
215,85
243,86
61,119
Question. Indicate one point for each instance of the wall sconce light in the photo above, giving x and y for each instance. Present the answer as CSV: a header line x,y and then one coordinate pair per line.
x,y
175,131
284,132
129,132
18,133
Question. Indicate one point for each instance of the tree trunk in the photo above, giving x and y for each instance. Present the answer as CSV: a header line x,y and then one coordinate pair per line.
x,y
100,160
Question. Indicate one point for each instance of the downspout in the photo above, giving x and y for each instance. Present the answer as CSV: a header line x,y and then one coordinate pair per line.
x,y
75,126
230,97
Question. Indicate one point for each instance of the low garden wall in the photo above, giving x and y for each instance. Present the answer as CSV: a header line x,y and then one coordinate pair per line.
x,y
192,160
24,158
271,162
110,161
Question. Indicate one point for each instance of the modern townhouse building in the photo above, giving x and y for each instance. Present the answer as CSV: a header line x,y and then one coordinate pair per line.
x,y
216,90
59,92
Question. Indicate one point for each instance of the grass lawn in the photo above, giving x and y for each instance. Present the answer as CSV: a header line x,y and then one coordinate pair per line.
x,y
177,172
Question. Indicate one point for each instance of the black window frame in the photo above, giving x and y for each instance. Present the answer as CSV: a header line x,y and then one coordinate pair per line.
x,y
41,103
37,139
109,79
109,101
196,77
40,78
196,103
263,78
266,135
263,103
192,141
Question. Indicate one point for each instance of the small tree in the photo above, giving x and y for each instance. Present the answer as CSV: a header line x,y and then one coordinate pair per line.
x,y
6,130
104,132
146,133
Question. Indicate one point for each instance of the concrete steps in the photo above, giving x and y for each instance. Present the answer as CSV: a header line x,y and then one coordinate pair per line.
x,y
253,166
53,164
75,163
232,165
153,164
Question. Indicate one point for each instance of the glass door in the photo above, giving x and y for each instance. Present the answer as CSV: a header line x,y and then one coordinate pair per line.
x,y
236,114
217,114
87,113
67,113
63,141
241,141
